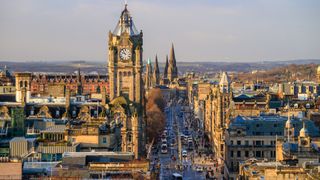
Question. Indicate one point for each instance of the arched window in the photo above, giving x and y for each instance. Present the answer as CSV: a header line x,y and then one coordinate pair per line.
x,y
129,138
21,84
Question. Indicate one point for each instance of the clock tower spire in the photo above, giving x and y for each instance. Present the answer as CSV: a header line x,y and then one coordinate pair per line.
x,y
125,59
125,79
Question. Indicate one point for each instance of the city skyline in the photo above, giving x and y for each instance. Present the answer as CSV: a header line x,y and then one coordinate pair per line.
x,y
214,31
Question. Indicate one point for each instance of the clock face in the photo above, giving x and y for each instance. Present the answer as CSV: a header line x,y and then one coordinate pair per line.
x,y
125,54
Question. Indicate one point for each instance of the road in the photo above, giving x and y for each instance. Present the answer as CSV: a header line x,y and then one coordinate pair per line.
x,y
178,124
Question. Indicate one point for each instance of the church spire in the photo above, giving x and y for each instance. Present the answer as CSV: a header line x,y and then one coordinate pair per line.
x,y
156,72
172,55
172,68
165,72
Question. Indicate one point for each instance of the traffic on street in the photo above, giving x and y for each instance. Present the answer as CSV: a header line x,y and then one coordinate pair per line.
x,y
182,151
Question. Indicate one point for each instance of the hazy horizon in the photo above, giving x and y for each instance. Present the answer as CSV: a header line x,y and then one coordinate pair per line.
x,y
204,30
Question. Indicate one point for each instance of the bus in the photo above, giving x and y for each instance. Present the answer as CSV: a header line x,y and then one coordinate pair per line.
x,y
164,149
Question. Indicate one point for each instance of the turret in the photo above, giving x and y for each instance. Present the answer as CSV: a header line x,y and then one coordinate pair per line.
x,y
23,80
224,83
289,129
304,138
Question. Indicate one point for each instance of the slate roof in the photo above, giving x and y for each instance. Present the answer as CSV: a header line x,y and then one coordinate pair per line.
x,y
272,125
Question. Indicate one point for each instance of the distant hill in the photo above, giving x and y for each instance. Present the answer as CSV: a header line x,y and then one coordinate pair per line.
x,y
291,72
196,66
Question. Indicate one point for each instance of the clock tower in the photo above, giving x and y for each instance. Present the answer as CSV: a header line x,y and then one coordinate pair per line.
x,y
125,60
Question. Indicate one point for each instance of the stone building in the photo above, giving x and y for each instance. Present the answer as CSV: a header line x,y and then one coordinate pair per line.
x,y
256,137
76,121
297,157
55,85
125,69
125,60
217,116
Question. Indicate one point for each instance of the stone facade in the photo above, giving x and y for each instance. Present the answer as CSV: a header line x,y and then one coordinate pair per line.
x,y
125,68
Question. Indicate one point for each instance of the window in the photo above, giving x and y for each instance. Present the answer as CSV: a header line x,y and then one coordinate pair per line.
x,y
104,140
231,142
238,153
247,143
129,138
231,153
258,153
258,143
246,153
238,142
273,154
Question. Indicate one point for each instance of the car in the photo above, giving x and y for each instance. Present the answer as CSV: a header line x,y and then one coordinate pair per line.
x,y
164,149
186,138
165,132
199,169
184,153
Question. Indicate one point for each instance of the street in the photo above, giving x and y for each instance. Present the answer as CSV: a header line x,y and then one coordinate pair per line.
x,y
181,147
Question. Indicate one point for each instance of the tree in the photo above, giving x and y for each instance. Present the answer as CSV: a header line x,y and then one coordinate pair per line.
x,y
155,114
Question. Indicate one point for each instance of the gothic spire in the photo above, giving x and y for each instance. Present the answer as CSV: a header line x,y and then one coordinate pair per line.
x,y
156,72
165,72
172,68
172,56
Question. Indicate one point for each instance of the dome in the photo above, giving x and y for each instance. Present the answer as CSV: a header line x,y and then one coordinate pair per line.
x,y
125,24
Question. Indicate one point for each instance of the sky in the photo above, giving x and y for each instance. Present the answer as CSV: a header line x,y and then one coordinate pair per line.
x,y
201,30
